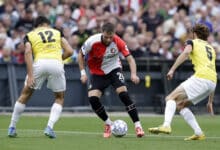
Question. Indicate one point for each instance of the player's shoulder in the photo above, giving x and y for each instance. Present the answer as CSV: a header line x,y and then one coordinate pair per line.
x,y
118,40
94,38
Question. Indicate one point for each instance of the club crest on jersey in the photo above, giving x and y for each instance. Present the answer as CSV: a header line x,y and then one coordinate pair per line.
x,y
112,50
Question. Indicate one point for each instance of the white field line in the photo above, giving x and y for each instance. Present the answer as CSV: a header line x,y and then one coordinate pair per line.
x,y
34,132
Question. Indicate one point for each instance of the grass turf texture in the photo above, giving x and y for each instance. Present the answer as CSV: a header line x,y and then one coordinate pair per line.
x,y
85,133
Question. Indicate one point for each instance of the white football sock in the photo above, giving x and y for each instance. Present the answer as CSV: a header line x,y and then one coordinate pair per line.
x,y
191,120
55,113
108,121
137,124
18,109
169,112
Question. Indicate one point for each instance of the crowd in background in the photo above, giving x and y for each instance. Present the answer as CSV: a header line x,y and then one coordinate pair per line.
x,y
151,28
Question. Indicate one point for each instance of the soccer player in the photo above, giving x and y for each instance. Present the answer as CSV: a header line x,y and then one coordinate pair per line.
x,y
45,45
195,89
102,53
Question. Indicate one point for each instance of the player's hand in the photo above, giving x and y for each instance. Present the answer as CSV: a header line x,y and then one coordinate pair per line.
x,y
135,79
30,82
83,79
210,108
170,74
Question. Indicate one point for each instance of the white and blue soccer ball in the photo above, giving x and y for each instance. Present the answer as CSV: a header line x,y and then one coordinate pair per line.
x,y
119,128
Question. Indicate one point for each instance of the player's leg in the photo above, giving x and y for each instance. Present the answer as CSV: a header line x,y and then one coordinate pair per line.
x,y
98,84
189,117
131,109
99,109
118,82
19,108
175,96
57,83
55,114
197,90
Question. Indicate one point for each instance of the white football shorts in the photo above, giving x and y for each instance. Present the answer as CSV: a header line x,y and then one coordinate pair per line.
x,y
51,70
197,89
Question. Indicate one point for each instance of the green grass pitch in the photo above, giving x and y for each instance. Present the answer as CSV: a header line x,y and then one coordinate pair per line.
x,y
85,133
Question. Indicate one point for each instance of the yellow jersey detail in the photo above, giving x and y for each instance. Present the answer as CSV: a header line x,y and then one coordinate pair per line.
x,y
203,58
46,43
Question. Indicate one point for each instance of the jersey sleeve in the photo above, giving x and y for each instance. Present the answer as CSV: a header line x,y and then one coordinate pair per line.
x,y
189,42
86,47
26,39
123,48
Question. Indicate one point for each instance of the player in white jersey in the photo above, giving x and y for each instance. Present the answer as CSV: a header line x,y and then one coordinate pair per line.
x,y
195,89
45,45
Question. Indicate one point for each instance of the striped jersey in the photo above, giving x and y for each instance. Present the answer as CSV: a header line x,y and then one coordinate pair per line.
x,y
102,59
203,58
45,43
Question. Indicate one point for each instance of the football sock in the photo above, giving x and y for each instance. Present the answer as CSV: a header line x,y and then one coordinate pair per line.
x,y
55,113
18,109
130,106
137,124
169,112
98,107
108,121
191,120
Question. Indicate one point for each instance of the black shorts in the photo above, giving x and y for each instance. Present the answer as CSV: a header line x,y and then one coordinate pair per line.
x,y
100,82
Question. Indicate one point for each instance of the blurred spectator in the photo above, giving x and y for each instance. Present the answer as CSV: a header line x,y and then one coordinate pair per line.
x,y
68,21
6,41
204,19
25,23
177,48
173,7
134,48
18,11
81,11
152,18
159,33
82,31
74,42
132,18
7,56
153,51
7,23
115,8
165,48
143,41
19,53
119,29
59,23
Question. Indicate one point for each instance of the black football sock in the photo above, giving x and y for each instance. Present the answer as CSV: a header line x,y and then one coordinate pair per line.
x,y
98,107
130,106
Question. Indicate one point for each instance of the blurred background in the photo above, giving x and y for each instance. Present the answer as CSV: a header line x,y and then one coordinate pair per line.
x,y
154,30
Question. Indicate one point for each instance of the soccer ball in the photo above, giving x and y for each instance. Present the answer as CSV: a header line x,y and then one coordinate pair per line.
x,y
119,128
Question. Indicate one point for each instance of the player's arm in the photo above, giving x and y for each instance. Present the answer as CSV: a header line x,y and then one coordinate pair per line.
x,y
29,62
210,103
132,65
67,49
180,59
130,59
81,62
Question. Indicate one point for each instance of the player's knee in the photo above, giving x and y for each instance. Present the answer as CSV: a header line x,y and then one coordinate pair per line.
x,y
95,103
59,97
125,98
168,98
